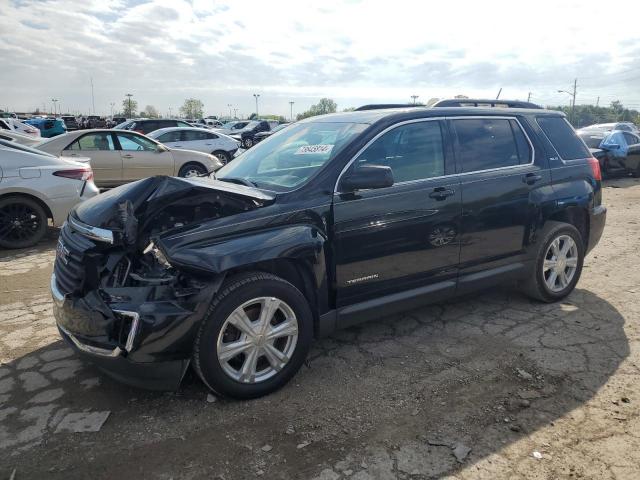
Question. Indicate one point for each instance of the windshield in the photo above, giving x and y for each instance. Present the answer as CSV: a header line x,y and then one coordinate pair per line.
x,y
287,159
250,125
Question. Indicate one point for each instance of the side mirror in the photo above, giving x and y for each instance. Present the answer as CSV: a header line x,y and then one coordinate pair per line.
x,y
161,148
610,146
366,177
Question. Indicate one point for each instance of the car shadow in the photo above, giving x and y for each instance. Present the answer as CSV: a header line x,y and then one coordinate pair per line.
x,y
397,394
620,182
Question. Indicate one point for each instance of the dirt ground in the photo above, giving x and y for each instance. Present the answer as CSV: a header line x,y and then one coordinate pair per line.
x,y
489,386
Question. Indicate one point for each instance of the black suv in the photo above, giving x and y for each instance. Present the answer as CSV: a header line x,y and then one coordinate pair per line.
x,y
246,136
335,220
148,126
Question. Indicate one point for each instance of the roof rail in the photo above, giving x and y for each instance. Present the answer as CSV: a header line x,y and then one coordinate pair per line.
x,y
380,106
475,102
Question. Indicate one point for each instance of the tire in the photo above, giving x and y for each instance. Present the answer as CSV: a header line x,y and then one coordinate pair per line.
x,y
191,170
537,286
222,156
226,378
247,142
23,222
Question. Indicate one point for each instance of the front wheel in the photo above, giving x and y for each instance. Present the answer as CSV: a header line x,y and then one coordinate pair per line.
x,y
558,264
255,338
192,170
248,142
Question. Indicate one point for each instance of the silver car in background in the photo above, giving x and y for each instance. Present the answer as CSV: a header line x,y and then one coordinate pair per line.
x,y
36,187
121,156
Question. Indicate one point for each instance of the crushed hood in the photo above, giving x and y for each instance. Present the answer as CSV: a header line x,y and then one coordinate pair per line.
x,y
161,203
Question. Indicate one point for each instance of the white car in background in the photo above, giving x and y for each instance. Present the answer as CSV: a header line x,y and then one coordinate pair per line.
x,y
199,139
233,126
36,187
21,138
17,126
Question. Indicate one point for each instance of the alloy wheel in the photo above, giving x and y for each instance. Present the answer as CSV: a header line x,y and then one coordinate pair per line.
x,y
18,222
560,263
257,340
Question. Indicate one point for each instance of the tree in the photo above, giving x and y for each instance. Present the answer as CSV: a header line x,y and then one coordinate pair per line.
x,y
129,107
150,112
253,116
584,115
324,106
192,108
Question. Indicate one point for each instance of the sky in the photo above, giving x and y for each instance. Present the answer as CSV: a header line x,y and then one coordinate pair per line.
x,y
355,52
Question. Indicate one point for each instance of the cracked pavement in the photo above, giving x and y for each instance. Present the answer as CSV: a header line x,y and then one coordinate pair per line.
x,y
467,389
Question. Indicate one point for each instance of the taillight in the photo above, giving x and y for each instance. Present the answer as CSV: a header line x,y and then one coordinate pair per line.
x,y
85,174
595,168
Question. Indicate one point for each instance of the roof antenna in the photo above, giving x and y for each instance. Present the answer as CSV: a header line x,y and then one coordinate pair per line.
x,y
499,92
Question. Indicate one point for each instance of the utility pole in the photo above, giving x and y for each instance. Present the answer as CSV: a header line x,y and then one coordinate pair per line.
x,y
291,114
529,97
499,92
414,97
256,95
128,95
573,105
93,101
573,99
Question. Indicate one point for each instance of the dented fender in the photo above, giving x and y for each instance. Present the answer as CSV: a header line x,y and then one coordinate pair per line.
x,y
293,242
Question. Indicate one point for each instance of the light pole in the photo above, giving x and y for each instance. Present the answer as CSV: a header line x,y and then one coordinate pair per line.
x,y
256,96
128,95
112,105
415,97
170,112
573,99
235,113
291,105
54,100
229,105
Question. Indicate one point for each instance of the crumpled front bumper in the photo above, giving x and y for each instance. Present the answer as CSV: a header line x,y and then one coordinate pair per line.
x,y
139,340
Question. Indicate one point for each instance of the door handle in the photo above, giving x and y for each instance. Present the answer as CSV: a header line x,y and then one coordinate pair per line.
x,y
531,178
128,155
440,193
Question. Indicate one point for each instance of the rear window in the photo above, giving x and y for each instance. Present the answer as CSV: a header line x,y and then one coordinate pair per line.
x,y
563,138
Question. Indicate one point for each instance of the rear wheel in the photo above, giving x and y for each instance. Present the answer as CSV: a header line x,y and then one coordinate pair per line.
x,y
255,338
222,156
558,264
23,222
192,170
248,142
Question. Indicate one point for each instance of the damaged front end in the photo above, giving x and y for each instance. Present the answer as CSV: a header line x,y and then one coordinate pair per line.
x,y
118,298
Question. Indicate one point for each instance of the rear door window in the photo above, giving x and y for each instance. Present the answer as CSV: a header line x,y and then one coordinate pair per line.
x,y
93,142
193,135
169,137
630,138
487,143
563,138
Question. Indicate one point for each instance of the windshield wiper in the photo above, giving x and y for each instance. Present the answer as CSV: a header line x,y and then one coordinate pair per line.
x,y
241,181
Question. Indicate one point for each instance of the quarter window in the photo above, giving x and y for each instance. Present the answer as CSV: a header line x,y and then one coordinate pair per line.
x,y
630,138
486,143
414,151
93,142
563,138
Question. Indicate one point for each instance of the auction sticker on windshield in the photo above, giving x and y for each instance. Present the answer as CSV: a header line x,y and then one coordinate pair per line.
x,y
309,149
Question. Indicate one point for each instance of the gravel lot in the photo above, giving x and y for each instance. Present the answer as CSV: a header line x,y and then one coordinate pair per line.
x,y
487,386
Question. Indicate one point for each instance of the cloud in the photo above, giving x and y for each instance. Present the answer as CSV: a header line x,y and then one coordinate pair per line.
x,y
163,51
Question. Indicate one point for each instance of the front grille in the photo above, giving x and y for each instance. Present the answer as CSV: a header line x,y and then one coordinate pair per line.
x,y
70,260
